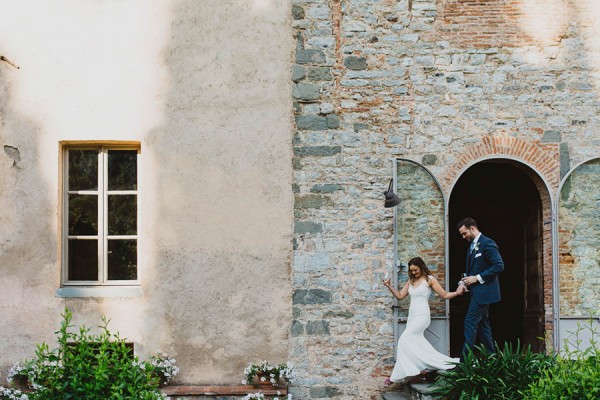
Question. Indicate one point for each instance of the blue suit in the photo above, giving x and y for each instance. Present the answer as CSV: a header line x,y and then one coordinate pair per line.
x,y
484,260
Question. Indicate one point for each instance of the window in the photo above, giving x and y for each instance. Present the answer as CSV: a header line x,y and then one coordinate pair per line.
x,y
100,194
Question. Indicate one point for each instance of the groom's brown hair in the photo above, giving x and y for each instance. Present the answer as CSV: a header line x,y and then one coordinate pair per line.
x,y
467,222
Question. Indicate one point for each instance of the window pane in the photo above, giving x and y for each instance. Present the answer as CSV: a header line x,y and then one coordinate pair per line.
x,y
83,169
83,215
83,260
122,259
122,170
122,212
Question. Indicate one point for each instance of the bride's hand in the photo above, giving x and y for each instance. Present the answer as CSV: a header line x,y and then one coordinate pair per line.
x,y
386,282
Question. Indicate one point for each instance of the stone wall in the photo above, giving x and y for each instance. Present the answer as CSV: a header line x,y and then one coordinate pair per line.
x,y
420,227
375,80
579,242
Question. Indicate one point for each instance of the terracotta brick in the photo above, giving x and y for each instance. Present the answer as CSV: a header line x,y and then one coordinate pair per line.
x,y
221,390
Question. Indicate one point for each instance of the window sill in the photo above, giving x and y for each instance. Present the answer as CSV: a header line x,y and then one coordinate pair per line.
x,y
100,291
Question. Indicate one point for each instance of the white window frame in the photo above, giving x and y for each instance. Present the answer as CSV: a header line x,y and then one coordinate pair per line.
x,y
102,237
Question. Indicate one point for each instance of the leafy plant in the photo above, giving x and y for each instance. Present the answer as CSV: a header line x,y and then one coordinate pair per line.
x,y
264,372
86,366
576,375
499,375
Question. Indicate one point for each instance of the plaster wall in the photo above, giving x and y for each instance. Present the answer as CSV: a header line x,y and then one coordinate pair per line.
x,y
204,86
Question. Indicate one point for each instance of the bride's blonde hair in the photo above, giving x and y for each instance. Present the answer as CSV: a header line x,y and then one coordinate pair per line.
x,y
418,262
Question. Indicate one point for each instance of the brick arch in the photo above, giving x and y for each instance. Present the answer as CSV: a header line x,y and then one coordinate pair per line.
x,y
543,162
544,158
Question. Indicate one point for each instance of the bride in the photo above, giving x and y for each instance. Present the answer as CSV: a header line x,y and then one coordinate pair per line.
x,y
415,354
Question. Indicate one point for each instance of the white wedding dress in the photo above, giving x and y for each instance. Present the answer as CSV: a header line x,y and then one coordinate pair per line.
x,y
415,353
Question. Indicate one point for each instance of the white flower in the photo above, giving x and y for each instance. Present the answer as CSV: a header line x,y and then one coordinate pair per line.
x,y
254,396
12,394
244,382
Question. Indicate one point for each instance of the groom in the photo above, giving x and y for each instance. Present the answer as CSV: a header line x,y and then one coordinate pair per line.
x,y
484,263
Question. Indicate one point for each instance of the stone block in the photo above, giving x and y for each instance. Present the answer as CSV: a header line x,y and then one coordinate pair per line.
x,y
312,201
338,314
429,159
297,329
319,392
308,227
326,108
320,74
306,92
311,122
311,296
296,163
317,328
326,188
297,12
322,42
316,151
551,136
333,121
355,63
311,261
358,126
298,73
310,56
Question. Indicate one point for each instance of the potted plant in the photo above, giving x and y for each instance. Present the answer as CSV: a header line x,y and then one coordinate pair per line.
x,y
266,374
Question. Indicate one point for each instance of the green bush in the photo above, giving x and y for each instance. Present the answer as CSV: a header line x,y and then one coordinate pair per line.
x,y
86,366
485,375
576,375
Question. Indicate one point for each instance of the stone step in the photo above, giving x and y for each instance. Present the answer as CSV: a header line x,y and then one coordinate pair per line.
x,y
421,391
395,396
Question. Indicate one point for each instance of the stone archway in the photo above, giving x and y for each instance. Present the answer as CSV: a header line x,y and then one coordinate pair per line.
x,y
501,196
533,164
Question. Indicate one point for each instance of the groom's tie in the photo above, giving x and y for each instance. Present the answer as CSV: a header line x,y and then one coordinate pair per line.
x,y
469,256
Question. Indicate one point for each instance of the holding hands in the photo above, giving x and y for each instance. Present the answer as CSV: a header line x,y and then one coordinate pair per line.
x,y
431,281
469,280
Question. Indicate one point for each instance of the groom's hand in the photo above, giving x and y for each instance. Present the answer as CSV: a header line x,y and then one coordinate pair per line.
x,y
469,280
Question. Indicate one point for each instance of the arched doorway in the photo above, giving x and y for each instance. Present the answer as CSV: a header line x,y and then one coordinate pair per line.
x,y
502,197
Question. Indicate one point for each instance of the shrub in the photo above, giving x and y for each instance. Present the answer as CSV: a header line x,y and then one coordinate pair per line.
x,y
576,374
86,366
500,375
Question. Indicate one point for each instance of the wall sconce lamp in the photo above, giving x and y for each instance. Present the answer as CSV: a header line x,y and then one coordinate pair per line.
x,y
391,199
